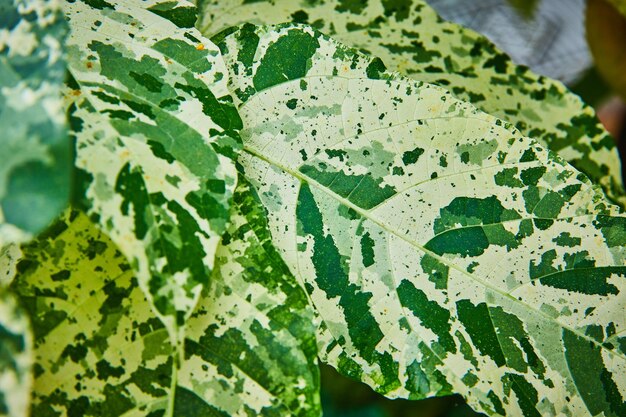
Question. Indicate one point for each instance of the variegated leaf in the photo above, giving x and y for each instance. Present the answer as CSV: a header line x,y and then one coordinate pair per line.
x,y
156,132
9,257
101,351
15,357
444,251
34,149
410,37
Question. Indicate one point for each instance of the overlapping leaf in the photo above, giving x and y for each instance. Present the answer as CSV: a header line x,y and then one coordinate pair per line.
x,y
155,130
15,358
9,257
444,251
101,351
34,150
410,37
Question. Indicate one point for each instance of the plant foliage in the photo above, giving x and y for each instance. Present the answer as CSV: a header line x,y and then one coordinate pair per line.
x,y
420,213
15,357
155,138
102,351
439,246
411,38
35,155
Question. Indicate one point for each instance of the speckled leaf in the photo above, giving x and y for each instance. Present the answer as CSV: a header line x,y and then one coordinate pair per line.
x,y
34,149
410,37
443,251
156,132
101,351
15,357
9,256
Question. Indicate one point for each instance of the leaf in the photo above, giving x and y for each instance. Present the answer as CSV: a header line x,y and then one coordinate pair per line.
x,y
156,132
15,357
34,150
443,251
9,257
410,37
101,350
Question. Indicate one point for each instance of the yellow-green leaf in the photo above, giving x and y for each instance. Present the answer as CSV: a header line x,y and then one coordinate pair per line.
x,y
101,351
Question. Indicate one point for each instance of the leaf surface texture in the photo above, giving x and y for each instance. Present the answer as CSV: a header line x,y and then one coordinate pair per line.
x,y
443,251
411,38
34,148
156,132
101,351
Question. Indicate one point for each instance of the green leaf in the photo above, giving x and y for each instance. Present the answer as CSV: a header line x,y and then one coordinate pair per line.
x,y
156,132
410,37
443,251
15,357
34,148
101,351
9,257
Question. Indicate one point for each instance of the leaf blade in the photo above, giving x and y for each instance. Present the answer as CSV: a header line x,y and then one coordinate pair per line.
x,y
425,231
35,173
16,357
410,37
102,351
156,133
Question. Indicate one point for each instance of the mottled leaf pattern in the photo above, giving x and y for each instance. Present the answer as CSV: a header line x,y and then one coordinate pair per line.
x,y
156,134
443,251
410,37
101,351
257,317
15,357
34,149
9,256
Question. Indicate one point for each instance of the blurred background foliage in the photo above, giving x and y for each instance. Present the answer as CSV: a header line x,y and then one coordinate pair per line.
x,y
579,42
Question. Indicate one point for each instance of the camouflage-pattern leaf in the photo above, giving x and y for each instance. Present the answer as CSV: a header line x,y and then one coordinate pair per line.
x,y
443,250
15,357
9,257
34,149
410,37
156,132
101,351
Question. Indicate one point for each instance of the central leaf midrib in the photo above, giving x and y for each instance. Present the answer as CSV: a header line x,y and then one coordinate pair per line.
x,y
441,259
